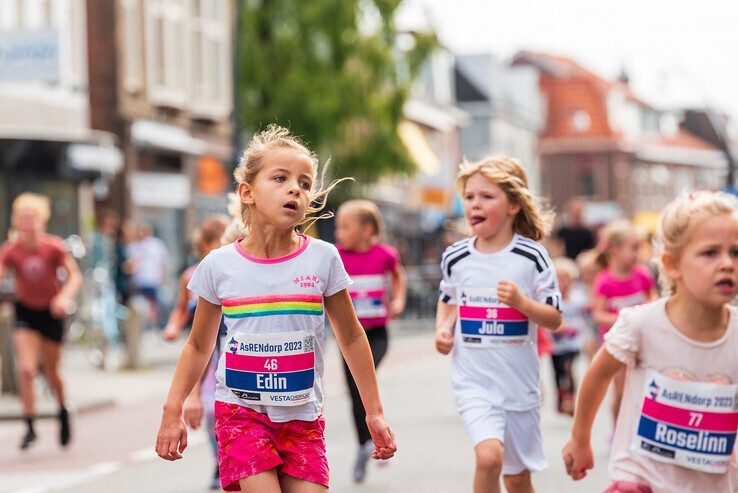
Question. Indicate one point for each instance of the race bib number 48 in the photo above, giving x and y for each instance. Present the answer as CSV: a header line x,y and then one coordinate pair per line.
x,y
271,369
485,322
689,424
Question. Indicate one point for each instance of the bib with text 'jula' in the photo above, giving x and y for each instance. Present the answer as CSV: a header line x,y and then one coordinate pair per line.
x,y
485,322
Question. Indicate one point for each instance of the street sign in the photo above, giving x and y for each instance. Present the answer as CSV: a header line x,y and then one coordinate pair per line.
x,y
29,55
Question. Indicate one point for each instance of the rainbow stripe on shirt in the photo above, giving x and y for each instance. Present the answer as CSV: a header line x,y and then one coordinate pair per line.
x,y
277,304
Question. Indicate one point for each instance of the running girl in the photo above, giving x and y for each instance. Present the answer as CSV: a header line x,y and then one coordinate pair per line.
x,y
677,424
497,286
359,227
622,283
201,400
42,302
273,287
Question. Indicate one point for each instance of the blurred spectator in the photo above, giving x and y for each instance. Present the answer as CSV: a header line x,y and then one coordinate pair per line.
x,y
148,258
104,240
123,266
574,234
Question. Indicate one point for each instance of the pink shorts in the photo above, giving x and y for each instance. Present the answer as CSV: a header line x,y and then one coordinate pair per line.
x,y
627,487
250,443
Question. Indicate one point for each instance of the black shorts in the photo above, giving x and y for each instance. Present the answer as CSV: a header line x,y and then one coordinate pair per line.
x,y
42,321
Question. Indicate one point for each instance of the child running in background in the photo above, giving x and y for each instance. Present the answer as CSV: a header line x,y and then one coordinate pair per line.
x,y
42,300
677,424
370,263
588,269
273,287
497,286
567,340
201,400
622,283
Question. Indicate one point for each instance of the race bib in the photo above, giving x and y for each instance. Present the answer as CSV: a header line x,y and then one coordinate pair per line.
x,y
486,322
689,424
271,369
368,294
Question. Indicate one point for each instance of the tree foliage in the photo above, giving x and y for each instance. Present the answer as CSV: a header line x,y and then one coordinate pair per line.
x,y
333,71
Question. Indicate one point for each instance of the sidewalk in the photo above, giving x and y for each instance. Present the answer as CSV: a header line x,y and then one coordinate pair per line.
x,y
90,389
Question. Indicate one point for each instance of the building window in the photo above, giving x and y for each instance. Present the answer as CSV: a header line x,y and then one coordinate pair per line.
x,y
166,44
133,53
210,33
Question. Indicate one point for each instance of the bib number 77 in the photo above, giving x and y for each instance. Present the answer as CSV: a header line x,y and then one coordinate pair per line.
x,y
695,419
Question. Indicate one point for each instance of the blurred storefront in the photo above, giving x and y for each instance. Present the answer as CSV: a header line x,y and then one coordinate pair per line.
x,y
46,143
169,101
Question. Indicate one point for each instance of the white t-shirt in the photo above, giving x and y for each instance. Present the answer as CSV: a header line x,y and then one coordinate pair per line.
x,y
666,425
273,309
150,256
504,367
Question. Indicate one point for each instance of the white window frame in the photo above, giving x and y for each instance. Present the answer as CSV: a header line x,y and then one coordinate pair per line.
x,y
210,101
171,12
133,63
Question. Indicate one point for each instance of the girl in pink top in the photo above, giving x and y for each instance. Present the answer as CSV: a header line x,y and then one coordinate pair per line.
x,y
369,263
622,283
678,419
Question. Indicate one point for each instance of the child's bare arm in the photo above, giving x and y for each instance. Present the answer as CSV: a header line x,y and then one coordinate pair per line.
x,y
577,453
540,313
172,438
399,292
599,311
180,312
445,320
355,348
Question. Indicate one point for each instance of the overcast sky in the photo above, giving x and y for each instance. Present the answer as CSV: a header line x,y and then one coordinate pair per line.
x,y
695,43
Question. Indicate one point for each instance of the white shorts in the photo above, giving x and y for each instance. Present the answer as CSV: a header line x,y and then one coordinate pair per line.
x,y
519,432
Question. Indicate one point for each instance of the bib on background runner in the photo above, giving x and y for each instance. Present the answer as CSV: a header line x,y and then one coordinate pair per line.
x,y
485,322
271,369
689,424
368,294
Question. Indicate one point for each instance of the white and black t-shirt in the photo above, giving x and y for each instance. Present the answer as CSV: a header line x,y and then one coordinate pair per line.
x,y
495,349
273,308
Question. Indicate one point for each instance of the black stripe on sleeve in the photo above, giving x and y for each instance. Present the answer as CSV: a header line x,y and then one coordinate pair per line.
x,y
453,261
529,256
537,249
445,298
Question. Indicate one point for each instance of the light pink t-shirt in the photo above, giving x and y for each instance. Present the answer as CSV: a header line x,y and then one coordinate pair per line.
x,y
369,271
622,293
646,341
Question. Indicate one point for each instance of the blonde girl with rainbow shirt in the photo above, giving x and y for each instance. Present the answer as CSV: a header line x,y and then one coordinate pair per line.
x,y
678,418
273,287
497,287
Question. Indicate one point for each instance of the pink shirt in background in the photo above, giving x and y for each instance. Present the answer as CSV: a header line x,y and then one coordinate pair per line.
x,y
655,352
622,293
369,272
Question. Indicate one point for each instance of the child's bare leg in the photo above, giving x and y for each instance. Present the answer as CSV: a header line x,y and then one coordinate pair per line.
x,y
291,484
264,482
518,483
489,466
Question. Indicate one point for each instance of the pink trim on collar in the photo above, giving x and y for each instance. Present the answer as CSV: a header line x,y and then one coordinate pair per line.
x,y
276,260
